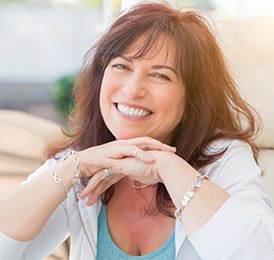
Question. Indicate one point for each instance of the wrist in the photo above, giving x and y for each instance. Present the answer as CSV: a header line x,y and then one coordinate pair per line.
x,y
175,167
176,175
65,170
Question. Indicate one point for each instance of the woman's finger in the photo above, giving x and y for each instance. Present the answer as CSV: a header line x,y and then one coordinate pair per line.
x,y
95,180
86,168
92,165
143,156
134,151
102,176
99,189
150,144
121,149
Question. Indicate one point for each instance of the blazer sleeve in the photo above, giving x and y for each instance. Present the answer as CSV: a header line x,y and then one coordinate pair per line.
x,y
243,228
53,233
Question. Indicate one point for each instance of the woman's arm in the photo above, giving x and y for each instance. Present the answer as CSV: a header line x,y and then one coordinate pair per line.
x,y
53,233
230,216
177,175
25,209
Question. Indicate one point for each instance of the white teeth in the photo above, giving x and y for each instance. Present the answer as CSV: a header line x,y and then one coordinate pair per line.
x,y
130,111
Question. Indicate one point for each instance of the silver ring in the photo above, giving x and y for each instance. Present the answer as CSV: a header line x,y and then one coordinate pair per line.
x,y
108,172
136,151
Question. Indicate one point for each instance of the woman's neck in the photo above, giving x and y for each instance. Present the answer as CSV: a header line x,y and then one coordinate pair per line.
x,y
132,198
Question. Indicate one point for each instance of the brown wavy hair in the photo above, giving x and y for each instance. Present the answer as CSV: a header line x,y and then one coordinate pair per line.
x,y
213,108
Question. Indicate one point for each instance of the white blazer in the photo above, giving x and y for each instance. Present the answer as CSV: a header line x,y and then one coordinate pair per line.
x,y
243,228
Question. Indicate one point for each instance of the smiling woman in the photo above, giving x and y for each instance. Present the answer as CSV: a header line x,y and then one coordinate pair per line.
x,y
160,159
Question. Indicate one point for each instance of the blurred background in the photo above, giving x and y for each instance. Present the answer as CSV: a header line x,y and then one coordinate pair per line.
x,y
42,44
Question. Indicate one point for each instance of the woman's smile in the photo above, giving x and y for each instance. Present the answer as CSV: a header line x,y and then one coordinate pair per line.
x,y
133,111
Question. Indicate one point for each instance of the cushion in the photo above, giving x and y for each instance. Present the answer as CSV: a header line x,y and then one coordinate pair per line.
x,y
23,139
248,45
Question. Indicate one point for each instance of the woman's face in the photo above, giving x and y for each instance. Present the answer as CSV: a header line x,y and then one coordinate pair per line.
x,y
144,96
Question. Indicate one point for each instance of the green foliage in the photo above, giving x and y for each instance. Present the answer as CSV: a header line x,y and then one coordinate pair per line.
x,y
62,94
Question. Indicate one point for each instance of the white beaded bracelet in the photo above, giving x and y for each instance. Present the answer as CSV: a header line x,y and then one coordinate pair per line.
x,y
197,183
58,180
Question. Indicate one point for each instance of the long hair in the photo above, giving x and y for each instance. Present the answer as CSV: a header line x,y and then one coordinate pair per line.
x,y
213,108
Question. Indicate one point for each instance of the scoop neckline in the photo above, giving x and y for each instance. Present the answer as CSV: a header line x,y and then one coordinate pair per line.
x,y
124,254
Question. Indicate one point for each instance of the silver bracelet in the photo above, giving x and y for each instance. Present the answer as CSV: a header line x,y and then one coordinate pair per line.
x,y
76,181
197,183
58,180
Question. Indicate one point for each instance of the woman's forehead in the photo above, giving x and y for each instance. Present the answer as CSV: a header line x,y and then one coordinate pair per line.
x,y
142,49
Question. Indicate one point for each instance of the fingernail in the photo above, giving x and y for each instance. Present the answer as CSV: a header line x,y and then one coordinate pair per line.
x,y
81,196
151,160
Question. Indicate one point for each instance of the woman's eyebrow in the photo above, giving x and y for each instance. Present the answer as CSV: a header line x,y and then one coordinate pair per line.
x,y
126,58
164,67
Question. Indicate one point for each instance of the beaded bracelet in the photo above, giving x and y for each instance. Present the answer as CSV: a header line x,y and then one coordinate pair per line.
x,y
76,181
58,180
197,183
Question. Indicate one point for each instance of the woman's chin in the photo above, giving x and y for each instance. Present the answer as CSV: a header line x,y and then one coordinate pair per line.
x,y
125,136
130,135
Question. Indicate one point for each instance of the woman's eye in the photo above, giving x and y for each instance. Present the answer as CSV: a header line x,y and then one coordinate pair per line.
x,y
120,66
161,76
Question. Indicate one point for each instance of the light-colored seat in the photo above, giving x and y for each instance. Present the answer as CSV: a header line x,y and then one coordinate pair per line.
x,y
23,138
249,45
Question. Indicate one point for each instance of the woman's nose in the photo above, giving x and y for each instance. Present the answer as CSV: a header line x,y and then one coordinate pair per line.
x,y
134,87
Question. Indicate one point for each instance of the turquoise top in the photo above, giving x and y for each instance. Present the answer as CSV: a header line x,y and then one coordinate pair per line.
x,y
106,249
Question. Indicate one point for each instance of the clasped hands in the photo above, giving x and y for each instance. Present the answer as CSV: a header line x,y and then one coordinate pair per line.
x,y
135,158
